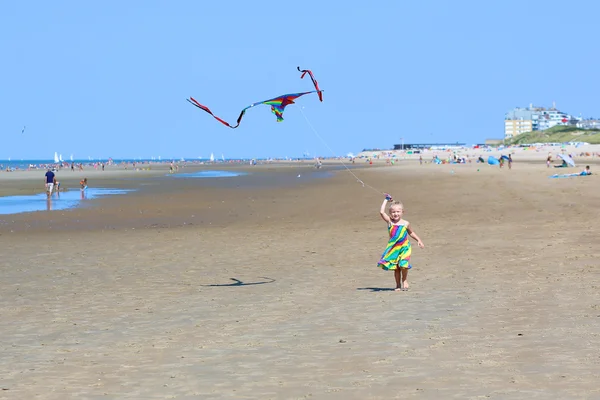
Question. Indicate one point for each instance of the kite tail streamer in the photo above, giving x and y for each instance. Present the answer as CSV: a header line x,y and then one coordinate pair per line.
x,y
204,108
314,81
344,164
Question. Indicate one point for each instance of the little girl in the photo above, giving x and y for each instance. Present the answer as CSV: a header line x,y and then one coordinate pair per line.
x,y
396,255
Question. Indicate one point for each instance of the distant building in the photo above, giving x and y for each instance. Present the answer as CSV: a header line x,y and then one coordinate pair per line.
x,y
521,120
588,123
514,127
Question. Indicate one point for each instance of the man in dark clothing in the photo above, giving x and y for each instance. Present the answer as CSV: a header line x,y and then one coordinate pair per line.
x,y
49,180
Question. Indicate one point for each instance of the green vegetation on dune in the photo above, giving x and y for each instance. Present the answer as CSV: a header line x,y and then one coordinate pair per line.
x,y
558,134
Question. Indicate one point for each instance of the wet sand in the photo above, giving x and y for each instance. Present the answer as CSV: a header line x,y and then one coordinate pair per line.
x,y
266,287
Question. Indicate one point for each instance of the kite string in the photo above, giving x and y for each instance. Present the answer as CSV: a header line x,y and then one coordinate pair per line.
x,y
333,153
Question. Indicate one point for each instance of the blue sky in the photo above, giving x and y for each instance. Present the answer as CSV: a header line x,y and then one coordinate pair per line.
x,y
110,78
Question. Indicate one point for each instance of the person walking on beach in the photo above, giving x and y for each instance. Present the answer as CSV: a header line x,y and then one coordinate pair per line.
x,y
396,255
49,182
509,161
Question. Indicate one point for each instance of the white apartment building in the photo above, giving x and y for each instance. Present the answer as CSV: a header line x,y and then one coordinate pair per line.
x,y
521,120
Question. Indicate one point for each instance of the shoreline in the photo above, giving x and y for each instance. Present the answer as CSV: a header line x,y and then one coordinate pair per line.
x,y
154,200
32,182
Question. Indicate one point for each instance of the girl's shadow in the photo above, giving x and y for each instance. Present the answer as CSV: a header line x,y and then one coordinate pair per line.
x,y
376,289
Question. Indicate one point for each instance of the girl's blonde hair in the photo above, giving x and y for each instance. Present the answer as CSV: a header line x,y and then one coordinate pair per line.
x,y
397,204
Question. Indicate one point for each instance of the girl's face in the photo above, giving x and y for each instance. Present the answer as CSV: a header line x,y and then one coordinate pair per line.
x,y
396,213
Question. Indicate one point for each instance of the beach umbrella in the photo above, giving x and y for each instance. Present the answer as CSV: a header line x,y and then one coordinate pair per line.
x,y
493,160
567,159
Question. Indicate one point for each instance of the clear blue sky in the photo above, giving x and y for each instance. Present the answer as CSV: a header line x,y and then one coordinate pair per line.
x,y
110,78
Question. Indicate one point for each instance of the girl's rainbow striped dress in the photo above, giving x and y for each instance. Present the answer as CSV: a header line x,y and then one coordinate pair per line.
x,y
398,250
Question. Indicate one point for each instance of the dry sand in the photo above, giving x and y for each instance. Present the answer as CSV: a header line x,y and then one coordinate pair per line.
x,y
266,287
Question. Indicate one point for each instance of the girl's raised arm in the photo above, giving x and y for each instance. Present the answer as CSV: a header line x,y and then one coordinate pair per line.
x,y
382,212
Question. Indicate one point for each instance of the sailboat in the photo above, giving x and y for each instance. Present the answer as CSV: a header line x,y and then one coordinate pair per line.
x,y
56,160
71,157
60,158
212,157
222,157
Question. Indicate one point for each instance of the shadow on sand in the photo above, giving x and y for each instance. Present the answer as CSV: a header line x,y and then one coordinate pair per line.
x,y
237,282
376,289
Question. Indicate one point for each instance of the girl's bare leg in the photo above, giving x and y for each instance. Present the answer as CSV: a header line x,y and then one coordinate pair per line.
x,y
404,278
397,277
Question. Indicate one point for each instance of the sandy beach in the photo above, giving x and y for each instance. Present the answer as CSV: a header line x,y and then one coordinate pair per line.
x,y
265,286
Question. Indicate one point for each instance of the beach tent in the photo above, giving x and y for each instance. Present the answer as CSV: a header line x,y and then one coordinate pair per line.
x,y
567,159
493,160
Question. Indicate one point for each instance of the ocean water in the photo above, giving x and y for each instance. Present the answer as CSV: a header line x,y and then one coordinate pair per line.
x,y
25,164
58,201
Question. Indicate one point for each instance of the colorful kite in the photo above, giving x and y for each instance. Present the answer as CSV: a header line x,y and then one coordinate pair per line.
x,y
277,104
314,81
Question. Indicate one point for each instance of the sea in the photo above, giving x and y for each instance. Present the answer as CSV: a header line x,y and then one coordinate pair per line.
x,y
22,164
26,164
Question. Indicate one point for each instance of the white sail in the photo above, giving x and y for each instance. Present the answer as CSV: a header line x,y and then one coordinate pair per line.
x,y
212,157
56,157
71,157
222,157
60,158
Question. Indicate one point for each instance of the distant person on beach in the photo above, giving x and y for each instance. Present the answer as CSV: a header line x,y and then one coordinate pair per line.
x,y
548,160
586,171
510,161
49,181
396,255
83,183
563,165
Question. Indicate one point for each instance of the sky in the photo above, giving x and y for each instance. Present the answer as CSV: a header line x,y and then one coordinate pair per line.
x,y
111,78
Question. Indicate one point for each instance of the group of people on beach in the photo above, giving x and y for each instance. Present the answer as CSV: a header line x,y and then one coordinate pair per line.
x,y
53,185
